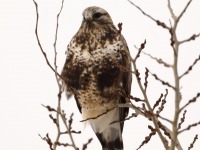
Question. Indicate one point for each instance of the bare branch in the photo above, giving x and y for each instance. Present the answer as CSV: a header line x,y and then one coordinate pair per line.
x,y
158,60
149,112
53,119
163,82
55,42
190,101
164,130
146,77
49,108
148,138
64,144
86,144
136,99
163,118
68,127
48,140
140,112
159,23
130,105
193,37
160,109
171,10
173,35
58,111
184,10
190,126
98,115
128,118
142,46
194,140
178,145
190,68
36,33
72,131
182,120
157,102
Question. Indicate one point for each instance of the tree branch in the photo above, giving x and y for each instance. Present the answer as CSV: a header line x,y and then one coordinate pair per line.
x,y
190,68
159,23
158,60
184,10
190,101
171,10
193,37
38,40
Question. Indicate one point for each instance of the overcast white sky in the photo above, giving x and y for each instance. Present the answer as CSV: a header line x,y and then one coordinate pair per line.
x,y
26,81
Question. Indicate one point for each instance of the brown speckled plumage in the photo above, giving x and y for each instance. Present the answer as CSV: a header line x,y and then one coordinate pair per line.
x,y
90,74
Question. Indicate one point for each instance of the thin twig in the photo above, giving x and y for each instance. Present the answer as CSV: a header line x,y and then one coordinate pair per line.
x,y
175,45
190,68
59,85
150,110
159,23
173,36
190,101
148,138
68,129
107,111
86,144
171,10
38,40
183,11
57,75
193,37
146,79
182,120
160,109
192,144
158,60
48,140
142,46
130,105
157,102
163,118
162,81
127,118
189,127
178,145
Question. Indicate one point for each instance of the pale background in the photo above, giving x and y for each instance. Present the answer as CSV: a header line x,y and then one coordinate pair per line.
x,y
26,81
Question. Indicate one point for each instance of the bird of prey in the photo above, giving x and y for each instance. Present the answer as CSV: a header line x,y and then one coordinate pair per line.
x,y
97,70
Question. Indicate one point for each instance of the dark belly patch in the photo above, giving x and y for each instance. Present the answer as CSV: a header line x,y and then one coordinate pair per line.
x,y
107,76
76,77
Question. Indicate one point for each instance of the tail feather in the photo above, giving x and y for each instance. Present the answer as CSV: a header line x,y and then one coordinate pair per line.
x,y
110,144
108,133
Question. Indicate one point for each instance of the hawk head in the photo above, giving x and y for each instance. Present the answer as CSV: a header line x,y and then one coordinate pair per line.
x,y
96,16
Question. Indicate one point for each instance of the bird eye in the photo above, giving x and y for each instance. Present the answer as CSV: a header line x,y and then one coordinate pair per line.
x,y
97,15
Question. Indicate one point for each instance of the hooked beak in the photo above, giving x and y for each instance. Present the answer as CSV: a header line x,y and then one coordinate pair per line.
x,y
87,19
